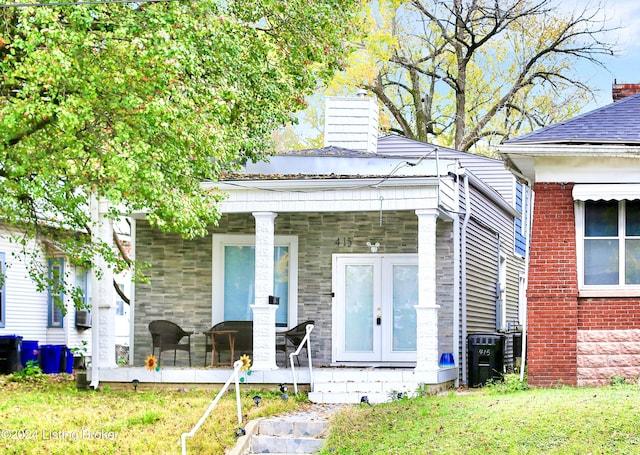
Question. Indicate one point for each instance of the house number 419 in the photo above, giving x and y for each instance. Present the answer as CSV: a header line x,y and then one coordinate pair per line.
x,y
344,242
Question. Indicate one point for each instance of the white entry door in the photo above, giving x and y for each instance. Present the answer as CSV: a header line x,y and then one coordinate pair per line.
x,y
374,318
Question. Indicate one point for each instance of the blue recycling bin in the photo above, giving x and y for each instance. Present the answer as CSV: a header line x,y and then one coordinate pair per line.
x,y
50,355
29,352
66,360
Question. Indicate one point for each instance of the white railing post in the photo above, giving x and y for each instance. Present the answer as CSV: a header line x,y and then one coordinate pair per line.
x,y
305,340
236,367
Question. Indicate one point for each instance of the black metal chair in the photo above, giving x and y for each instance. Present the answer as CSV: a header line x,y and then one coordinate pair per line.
x,y
291,339
166,336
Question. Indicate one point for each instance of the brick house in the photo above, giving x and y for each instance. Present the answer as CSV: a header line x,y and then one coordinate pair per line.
x,y
584,272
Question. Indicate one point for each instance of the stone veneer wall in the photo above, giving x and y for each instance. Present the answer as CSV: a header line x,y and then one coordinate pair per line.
x,y
607,354
181,276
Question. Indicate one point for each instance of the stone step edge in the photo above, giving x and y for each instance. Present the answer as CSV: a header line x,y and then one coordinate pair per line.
x,y
243,444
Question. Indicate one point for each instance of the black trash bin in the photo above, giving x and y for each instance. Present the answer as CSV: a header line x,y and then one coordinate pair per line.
x,y
485,357
10,350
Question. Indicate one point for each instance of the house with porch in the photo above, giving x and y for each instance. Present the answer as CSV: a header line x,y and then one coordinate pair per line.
x,y
583,322
395,248
30,313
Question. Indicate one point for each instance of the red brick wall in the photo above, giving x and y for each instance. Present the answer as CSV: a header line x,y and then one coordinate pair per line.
x,y
552,293
609,314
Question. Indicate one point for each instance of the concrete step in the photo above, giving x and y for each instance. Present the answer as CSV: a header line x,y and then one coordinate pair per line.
x,y
371,387
285,444
298,433
352,392
295,427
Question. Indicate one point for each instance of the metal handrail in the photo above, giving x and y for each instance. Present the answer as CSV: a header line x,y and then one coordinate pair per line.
x,y
234,375
305,340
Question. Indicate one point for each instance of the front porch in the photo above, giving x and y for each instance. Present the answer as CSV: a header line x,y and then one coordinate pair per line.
x,y
330,384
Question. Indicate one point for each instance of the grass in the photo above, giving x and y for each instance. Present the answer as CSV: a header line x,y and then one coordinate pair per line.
x,y
45,414
489,421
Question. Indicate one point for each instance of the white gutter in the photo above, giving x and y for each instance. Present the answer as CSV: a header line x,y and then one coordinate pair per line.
x,y
571,150
272,183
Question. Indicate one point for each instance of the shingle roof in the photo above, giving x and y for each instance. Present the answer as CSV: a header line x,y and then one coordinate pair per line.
x,y
616,123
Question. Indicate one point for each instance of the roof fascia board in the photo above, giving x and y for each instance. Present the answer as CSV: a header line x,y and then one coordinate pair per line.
x,y
611,150
320,183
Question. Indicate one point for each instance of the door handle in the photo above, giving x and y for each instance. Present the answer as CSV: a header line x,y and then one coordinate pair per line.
x,y
379,320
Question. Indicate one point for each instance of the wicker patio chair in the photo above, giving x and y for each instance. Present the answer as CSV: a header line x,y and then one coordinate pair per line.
x,y
291,339
166,336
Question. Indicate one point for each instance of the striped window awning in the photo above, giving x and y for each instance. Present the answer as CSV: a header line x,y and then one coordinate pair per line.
x,y
606,191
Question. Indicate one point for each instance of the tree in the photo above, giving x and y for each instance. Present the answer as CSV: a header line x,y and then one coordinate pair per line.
x,y
138,103
463,73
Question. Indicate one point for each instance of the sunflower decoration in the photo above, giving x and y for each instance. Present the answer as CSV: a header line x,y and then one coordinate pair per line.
x,y
246,362
151,363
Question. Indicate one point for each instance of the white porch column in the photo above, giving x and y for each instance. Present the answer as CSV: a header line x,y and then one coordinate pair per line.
x,y
427,309
103,310
264,315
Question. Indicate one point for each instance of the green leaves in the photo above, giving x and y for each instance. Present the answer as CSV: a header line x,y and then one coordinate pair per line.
x,y
141,104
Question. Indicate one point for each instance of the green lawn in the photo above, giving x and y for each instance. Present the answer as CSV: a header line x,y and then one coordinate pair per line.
x,y
540,421
52,417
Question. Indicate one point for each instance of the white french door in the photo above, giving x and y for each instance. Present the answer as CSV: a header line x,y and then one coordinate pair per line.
x,y
374,318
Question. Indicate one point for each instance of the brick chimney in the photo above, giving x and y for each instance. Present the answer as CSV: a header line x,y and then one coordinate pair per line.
x,y
620,91
351,122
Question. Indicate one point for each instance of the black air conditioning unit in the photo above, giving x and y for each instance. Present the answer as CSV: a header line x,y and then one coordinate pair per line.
x,y
83,319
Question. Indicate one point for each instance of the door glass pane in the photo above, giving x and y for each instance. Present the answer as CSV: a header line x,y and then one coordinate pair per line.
x,y
239,278
405,296
632,261
601,219
358,317
633,218
601,261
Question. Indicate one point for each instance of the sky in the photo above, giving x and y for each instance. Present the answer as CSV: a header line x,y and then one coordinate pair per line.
x,y
624,67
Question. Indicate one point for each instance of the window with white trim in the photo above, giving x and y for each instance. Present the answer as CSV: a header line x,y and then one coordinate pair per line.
x,y
609,243
234,278
55,297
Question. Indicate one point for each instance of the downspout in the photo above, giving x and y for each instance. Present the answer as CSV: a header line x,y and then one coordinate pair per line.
x,y
463,267
456,277
95,306
525,322
465,224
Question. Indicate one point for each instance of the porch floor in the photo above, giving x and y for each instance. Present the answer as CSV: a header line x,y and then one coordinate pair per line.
x,y
330,385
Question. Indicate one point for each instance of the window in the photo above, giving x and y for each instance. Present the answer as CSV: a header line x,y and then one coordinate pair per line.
x,y
120,308
520,224
609,234
3,279
83,283
55,298
234,278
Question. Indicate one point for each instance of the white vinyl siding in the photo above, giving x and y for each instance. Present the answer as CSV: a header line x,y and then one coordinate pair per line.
x,y
2,290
